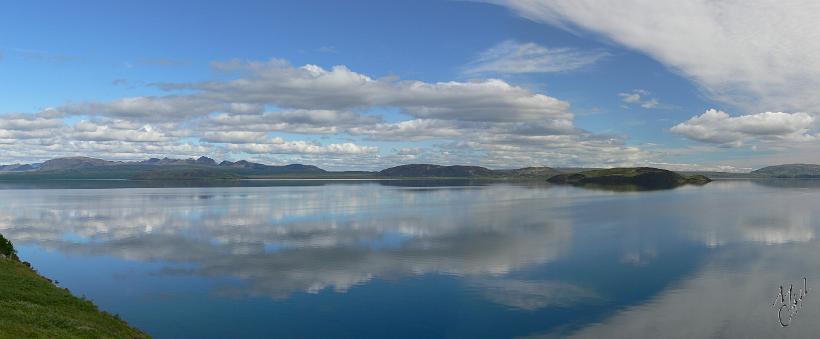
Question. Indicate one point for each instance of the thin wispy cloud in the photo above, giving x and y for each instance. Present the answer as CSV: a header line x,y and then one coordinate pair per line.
x,y
512,57
327,49
162,62
756,55
639,97
44,56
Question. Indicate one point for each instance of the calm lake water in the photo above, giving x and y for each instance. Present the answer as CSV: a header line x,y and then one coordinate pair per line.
x,y
429,259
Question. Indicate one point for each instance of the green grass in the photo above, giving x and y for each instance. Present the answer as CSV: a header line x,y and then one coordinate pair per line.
x,y
7,249
625,171
31,306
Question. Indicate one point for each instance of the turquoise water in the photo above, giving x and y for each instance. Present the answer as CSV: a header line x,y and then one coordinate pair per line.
x,y
429,259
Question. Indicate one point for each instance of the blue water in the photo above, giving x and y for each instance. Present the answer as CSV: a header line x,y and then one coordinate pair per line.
x,y
428,259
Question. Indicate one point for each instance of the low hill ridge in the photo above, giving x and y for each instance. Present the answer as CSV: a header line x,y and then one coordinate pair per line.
x,y
789,171
429,170
647,178
73,163
93,168
154,168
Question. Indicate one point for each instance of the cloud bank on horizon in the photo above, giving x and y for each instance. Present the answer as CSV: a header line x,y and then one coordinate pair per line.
x,y
503,106
483,121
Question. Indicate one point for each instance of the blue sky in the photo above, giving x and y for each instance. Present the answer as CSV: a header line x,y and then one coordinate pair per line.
x,y
502,84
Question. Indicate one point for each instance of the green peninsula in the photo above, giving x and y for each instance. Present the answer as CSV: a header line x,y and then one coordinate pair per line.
x,y
34,307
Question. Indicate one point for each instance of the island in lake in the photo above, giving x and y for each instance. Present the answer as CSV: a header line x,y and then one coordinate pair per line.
x,y
630,178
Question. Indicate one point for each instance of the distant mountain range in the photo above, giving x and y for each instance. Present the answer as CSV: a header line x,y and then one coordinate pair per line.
x,y
154,168
72,163
789,171
19,167
207,168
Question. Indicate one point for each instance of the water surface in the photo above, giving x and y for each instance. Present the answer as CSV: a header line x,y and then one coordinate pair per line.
x,y
428,259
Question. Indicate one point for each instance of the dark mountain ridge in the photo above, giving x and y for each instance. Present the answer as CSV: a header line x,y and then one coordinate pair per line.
x,y
457,171
93,168
88,168
19,167
789,171
73,163
204,161
428,170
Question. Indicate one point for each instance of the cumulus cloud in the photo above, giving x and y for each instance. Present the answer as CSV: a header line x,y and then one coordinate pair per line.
x,y
311,87
26,137
117,130
27,122
413,130
233,137
294,121
755,54
513,57
247,114
149,108
278,145
718,127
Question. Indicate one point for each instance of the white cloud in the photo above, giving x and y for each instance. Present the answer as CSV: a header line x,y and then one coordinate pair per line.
x,y
27,137
233,137
295,121
311,87
486,122
27,122
755,54
278,145
718,127
165,108
512,57
318,100
639,97
411,130
116,130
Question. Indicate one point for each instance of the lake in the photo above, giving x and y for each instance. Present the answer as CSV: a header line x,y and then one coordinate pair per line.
x,y
427,259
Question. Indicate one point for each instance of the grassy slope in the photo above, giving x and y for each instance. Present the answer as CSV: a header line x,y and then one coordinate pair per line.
x,y
630,172
626,172
32,307
642,178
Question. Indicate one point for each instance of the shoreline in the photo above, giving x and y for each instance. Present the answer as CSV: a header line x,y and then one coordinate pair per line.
x,y
34,306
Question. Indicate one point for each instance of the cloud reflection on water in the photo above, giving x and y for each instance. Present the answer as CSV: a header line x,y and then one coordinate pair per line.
x,y
303,239
530,250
